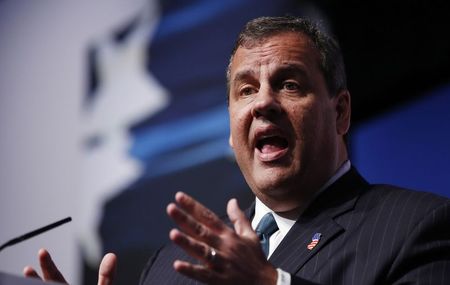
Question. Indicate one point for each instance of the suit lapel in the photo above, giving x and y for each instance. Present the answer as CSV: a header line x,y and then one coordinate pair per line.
x,y
338,199
292,253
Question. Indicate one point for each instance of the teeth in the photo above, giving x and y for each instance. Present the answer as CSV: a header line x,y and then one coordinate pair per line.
x,y
267,136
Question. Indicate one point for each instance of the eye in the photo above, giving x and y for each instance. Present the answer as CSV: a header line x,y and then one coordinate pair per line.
x,y
247,90
290,86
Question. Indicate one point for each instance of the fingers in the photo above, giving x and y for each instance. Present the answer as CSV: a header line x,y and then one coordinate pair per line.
x,y
107,269
49,270
226,256
29,271
194,248
194,271
198,211
200,235
191,226
196,220
241,224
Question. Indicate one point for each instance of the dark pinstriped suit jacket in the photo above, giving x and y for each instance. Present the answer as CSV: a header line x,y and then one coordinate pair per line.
x,y
371,234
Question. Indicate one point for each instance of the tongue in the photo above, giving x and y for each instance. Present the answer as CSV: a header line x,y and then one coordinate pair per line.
x,y
267,148
273,145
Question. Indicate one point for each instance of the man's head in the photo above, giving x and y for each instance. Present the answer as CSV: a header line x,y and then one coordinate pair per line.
x,y
289,109
331,62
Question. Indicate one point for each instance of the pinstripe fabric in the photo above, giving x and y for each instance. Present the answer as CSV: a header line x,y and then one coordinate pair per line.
x,y
371,234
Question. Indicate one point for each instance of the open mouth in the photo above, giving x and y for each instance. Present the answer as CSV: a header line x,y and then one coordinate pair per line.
x,y
271,147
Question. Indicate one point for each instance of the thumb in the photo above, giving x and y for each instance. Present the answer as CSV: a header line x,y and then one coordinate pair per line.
x,y
241,224
107,269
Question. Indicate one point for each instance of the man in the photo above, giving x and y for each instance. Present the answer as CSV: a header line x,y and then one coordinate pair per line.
x,y
289,114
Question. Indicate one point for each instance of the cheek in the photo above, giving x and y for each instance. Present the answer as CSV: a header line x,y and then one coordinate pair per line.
x,y
240,137
236,139
301,119
240,121
308,127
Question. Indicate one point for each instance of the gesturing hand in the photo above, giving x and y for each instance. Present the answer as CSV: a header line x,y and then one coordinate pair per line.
x,y
50,272
227,256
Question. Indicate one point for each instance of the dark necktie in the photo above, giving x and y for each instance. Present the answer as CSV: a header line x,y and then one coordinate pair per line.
x,y
266,227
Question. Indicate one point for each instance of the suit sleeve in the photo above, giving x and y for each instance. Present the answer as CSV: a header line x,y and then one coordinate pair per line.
x,y
425,256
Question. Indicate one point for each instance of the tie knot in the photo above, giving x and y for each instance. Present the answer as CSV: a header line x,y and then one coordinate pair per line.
x,y
267,226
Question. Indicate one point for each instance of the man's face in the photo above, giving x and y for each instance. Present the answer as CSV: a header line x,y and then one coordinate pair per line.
x,y
286,130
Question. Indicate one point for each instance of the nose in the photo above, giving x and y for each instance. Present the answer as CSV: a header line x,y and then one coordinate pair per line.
x,y
266,104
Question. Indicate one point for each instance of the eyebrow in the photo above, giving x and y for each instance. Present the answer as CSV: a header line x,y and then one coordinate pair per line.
x,y
285,68
243,74
291,68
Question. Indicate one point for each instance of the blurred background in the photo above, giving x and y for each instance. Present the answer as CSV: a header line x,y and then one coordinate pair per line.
x,y
107,108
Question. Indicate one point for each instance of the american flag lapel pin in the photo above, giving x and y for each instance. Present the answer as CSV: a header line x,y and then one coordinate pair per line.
x,y
314,241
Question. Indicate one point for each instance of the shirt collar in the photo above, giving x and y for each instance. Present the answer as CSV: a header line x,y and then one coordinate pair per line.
x,y
284,224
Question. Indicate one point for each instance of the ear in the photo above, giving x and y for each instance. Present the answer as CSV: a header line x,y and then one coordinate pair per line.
x,y
230,141
343,111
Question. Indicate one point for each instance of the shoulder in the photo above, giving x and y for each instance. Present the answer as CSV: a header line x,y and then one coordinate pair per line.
x,y
399,211
401,199
413,227
385,195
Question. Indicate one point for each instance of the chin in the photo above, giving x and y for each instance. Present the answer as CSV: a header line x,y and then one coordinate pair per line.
x,y
278,178
279,188
273,188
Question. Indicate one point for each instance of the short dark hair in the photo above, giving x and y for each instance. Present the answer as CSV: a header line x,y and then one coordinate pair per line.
x,y
331,61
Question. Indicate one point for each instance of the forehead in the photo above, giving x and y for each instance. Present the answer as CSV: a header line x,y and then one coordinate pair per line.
x,y
282,49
